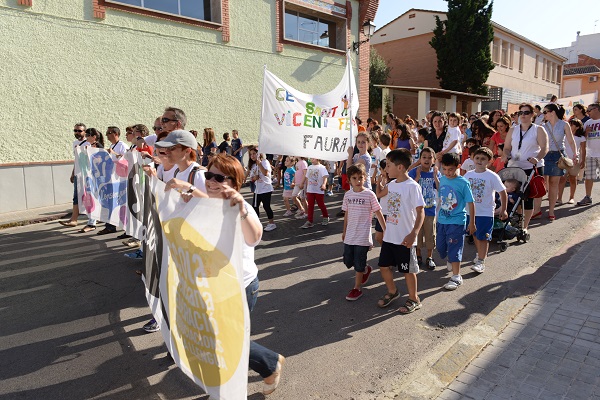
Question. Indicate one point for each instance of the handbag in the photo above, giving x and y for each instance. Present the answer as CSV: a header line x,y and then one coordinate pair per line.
x,y
563,162
537,186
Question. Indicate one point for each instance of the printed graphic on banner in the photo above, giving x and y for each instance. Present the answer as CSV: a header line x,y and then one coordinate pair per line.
x,y
206,298
103,183
308,125
136,183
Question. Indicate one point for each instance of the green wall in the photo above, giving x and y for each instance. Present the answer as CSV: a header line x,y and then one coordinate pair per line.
x,y
61,66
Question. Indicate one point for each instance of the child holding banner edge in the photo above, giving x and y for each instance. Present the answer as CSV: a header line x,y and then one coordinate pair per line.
x,y
224,179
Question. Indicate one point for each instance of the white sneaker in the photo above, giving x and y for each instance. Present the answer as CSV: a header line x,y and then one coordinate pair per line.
x,y
301,216
449,266
270,227
454,282
479,266
288,214
325,222
307,225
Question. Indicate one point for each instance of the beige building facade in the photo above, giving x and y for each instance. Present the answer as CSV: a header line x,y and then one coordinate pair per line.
x,y
121,62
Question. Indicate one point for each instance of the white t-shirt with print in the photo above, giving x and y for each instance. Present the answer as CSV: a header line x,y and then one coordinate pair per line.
x,y
468,165
359,207
593,138
403,200
263,184
314,178
483,186
199,180
453,134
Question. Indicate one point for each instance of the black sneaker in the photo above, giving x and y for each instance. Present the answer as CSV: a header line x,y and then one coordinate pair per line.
x,y
340,214
429,264
151,326
123,236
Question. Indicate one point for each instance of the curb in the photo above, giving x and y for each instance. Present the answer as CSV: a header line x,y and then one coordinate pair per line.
x,y
428,380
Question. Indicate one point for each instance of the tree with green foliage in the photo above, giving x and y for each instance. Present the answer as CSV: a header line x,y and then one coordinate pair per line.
x,y
462,44
378,74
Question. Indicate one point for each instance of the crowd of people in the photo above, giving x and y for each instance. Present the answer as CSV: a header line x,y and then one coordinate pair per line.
x,y
428,183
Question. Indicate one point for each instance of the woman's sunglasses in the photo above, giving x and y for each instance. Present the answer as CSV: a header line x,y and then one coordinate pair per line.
x,y
218,177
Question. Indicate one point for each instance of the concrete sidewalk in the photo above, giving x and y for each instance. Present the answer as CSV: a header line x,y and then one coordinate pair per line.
x,y
551,349
34,215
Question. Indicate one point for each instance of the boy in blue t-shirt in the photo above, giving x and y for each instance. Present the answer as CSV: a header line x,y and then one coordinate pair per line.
x,y
288,179
428,177
454,196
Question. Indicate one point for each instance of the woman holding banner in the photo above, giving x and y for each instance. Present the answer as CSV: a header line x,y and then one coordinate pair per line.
x,y
224,179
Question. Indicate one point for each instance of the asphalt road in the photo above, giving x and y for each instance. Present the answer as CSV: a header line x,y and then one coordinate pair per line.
x,y
71,311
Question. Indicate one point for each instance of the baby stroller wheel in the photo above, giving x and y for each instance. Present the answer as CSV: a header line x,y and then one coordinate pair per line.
x,y
503,246
527,237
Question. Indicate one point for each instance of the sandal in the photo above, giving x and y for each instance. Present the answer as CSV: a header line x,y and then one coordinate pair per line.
x,y
409,307
537,215
387,299
87,228
420,260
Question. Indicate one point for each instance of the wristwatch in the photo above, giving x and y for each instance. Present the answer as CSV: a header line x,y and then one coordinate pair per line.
x,y
191,189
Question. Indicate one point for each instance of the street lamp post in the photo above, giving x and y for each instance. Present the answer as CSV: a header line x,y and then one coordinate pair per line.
x,y
368,30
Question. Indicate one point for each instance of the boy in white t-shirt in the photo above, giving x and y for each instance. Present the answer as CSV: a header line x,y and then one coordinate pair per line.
x,y
452,142
592,155
315,182
469,164
359,205
484,185
405,216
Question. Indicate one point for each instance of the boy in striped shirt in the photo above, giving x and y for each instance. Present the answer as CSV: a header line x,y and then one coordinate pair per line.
x,y
359,205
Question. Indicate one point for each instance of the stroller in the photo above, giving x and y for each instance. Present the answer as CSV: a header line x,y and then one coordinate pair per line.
x,y
512,227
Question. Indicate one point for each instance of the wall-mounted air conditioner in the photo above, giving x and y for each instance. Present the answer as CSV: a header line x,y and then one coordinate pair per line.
x,y
594,78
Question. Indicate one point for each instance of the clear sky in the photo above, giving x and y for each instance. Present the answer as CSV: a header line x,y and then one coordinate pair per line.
x,y
551,23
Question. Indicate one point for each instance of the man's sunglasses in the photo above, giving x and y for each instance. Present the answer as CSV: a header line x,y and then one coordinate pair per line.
x,y
164,120
218,177
525,113
78,130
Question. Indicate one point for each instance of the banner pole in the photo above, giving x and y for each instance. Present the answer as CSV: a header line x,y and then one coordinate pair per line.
x,y
262,108
349,68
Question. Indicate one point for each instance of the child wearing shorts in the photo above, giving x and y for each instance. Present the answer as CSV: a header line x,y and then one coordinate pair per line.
x,y
288,180
484,185
454,196
428,177
359,205
404,219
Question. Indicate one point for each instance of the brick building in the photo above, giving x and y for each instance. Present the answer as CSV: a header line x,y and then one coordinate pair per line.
x,y
524,70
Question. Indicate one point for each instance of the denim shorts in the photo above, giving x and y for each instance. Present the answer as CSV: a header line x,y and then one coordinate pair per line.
x,y
450,241
550,164
355,256
75,197
485,226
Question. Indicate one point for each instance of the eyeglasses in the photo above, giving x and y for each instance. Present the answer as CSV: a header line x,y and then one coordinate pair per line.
x,y
110,133
78,130
164,120
526,113
218,177
159,128
546,111
90,134
591,109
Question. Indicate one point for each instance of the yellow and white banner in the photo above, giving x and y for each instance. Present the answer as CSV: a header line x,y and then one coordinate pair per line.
x,y
205,317
308,125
